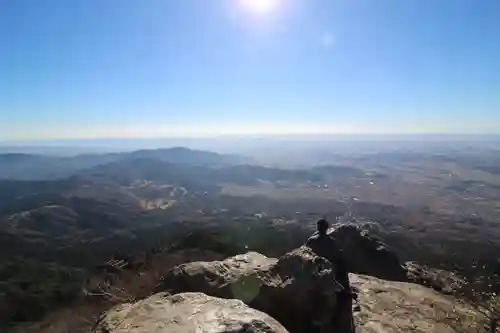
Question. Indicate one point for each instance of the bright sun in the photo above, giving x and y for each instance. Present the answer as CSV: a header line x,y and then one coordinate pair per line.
x,y
260,6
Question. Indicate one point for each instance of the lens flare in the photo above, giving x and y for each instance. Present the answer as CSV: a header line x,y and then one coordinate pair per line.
x,y
260,7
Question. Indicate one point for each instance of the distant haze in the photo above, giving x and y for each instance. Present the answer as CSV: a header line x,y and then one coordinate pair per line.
x,y
261,145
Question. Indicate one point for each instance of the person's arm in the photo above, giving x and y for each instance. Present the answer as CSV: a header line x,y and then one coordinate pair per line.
x,y
310,241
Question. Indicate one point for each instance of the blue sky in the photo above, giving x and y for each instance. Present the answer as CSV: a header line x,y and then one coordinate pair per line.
x,y
156,68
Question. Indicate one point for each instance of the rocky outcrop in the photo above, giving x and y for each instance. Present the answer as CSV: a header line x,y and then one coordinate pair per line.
x,y
365,254
437,279
288,288
188,312
385,307
390,307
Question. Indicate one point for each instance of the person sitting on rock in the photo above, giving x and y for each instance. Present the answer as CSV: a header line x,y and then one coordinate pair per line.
x,y
323,245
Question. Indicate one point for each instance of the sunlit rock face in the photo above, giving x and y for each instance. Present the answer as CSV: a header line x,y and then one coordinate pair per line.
x,y
188,312
397,307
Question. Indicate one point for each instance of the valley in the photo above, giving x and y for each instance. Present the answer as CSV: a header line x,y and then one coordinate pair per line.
x,y
153,209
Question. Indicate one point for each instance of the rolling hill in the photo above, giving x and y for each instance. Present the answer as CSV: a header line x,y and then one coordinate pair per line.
x,y
15,166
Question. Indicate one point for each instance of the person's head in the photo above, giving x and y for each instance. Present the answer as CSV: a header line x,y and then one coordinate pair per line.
x,y
322,226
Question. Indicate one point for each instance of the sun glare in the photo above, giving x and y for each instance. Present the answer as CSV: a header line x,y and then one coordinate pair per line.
x,y
260,7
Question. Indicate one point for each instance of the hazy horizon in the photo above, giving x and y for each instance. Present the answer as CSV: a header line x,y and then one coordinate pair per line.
x,y
261,145
201,68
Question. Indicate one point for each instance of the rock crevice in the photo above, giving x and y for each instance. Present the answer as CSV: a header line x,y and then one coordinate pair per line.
x,y
286,288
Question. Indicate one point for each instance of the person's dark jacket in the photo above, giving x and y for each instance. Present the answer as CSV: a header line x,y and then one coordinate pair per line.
x,y
325,246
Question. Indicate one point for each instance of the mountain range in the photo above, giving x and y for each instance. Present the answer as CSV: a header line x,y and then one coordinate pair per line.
x,y
49,202
16,166
62,216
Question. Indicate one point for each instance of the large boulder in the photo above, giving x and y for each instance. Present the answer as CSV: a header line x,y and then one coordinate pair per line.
x,y
365,254
395,307
289,288
186,313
